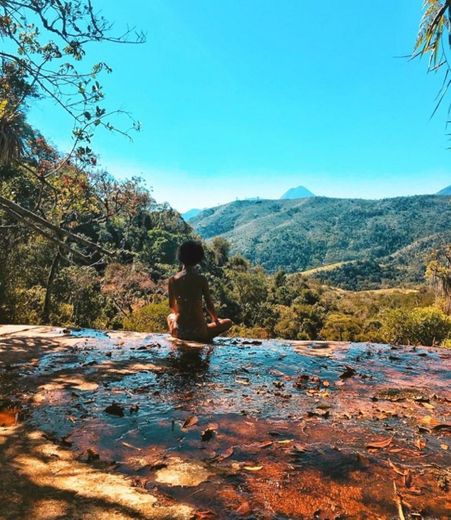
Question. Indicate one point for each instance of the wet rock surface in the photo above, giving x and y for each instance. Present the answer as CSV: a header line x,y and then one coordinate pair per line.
x,y
250,429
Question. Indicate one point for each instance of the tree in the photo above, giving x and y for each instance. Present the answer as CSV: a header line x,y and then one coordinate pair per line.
x,y
434,40
220,248
46,41
340,327
439,273
421,326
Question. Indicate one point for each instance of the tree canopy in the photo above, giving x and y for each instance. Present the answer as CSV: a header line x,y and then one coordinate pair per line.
x,y
434,41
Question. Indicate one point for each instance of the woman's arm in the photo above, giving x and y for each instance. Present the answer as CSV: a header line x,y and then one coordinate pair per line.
x,y
172,301
208,301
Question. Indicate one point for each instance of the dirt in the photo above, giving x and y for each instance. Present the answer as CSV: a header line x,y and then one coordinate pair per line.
x,y
127,425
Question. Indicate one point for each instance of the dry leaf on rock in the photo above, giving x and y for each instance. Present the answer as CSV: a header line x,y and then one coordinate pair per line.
x,y
209,432
225,454
191,421
420,443
265,444
243,509
204,515
395,469
115,409
347,372
429,421
378,445
442,427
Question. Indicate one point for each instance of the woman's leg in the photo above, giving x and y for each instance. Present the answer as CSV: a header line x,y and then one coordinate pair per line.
x,y
214,329
172,324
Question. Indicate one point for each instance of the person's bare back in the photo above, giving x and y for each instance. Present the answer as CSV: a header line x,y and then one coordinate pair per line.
x,y
188,289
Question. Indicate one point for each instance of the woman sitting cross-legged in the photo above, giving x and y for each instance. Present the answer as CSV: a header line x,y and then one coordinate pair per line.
x,y
187,290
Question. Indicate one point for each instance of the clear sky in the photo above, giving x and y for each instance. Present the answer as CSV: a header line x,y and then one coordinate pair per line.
x,y
244,98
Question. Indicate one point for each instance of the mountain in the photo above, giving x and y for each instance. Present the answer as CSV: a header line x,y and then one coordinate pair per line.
x,y
301,234
190,214
297,193
445,191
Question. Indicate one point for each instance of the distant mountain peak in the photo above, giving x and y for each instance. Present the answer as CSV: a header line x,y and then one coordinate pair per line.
x,y
191,213
445,191
301,192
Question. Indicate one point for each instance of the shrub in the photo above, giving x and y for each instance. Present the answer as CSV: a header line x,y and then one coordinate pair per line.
x,y
249,332
28,305
149,318
420,326
299,322
340,327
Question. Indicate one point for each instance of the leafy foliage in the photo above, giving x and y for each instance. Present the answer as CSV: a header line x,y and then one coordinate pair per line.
x,y
439,273
434,30
421,326
45,45
150,317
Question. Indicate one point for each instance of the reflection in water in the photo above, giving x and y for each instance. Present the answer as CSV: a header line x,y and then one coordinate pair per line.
x,y
188,368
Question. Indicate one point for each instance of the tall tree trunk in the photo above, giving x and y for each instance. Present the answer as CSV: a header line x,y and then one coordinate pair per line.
x,y
52,273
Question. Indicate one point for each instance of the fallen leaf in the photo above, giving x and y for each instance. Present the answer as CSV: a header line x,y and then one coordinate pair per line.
x,y
377,445
253,468
243,509
92,455
428,420
203,515
265,444
207,434
395,469
134,408
191,421
420,443
115,409
319,413
441,427
225,454
159,464
347,372
326,383
66,442
444,446
127,445
413,491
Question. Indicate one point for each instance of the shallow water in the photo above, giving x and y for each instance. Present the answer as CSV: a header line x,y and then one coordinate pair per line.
x,y
301,415
88,333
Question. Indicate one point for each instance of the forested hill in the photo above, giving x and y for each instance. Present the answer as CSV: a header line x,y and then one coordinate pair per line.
x,y
296,235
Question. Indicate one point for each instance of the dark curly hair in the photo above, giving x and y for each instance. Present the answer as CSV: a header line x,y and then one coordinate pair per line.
x,y
191,253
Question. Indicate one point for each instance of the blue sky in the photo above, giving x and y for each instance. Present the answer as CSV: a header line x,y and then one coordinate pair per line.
x,y
243,98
